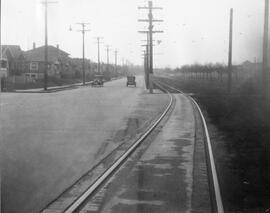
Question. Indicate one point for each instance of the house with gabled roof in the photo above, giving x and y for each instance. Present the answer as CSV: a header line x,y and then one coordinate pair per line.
x,y
58,62
14,57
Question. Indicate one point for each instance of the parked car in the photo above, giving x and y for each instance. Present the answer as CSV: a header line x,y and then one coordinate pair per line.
x,y
98,81
131,80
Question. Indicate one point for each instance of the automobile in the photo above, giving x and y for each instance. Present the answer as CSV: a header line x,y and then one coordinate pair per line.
x,y
3,67
131,81
3,74
98,81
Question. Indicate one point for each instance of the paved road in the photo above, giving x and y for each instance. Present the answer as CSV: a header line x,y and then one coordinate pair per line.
x,y
168,176
52,139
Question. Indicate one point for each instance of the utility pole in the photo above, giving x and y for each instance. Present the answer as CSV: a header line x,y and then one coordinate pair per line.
x,y
0,88
230,53
108,53
150,32
0,34
83,30
108,56
98,45
147,62
146,67
265,71
46,2
115,60
123,64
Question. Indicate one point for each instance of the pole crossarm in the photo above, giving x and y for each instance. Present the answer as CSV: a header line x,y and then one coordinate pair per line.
x,y
83,30
98,43
98,40
83,24
148,56
49,2
157,31
153,8
145,45
147,20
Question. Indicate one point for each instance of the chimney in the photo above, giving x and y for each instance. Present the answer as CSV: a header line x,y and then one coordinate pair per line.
x,y
57,46
34,45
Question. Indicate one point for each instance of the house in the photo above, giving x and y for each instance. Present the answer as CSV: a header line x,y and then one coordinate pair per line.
x,y
14,58
58,62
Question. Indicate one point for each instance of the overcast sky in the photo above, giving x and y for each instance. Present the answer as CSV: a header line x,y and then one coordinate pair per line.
x,y
194,30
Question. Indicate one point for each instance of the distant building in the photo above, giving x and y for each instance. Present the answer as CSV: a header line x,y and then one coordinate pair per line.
x,y
58,62
248,69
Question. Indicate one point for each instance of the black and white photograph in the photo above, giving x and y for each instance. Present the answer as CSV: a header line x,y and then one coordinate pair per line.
x,y
134,106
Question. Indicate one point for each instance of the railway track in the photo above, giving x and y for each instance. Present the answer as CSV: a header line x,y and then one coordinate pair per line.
x,y
218,204
105,176
73,208
76,203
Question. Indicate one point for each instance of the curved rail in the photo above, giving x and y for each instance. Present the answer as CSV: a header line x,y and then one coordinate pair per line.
x,y
218,198
77,203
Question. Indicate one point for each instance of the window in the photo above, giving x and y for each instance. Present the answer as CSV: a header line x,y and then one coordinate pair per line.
x,y
3,64
34,66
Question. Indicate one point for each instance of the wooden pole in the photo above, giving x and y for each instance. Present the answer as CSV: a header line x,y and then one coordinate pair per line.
x,y
265,74
230,53
46,47
150,5
83,53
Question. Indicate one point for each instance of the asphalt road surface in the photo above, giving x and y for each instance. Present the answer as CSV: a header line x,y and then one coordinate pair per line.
x,y
50,140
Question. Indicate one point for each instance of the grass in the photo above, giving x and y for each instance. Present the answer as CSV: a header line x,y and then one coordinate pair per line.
x,y
243,118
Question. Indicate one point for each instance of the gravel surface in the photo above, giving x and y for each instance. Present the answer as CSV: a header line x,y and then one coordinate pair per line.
x,y
160,176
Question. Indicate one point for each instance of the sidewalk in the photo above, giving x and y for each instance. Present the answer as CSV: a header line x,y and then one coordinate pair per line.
x,y
51,89
56,88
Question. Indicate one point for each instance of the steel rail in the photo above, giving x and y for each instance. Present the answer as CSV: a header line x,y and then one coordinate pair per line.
x,y
78,202
218,198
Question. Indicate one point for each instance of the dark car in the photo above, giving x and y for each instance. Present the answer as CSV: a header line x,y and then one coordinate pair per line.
x,y
98,81
131,80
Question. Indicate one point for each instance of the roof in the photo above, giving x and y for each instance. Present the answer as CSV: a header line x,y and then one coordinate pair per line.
x,y
15,50
247,62
38,54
